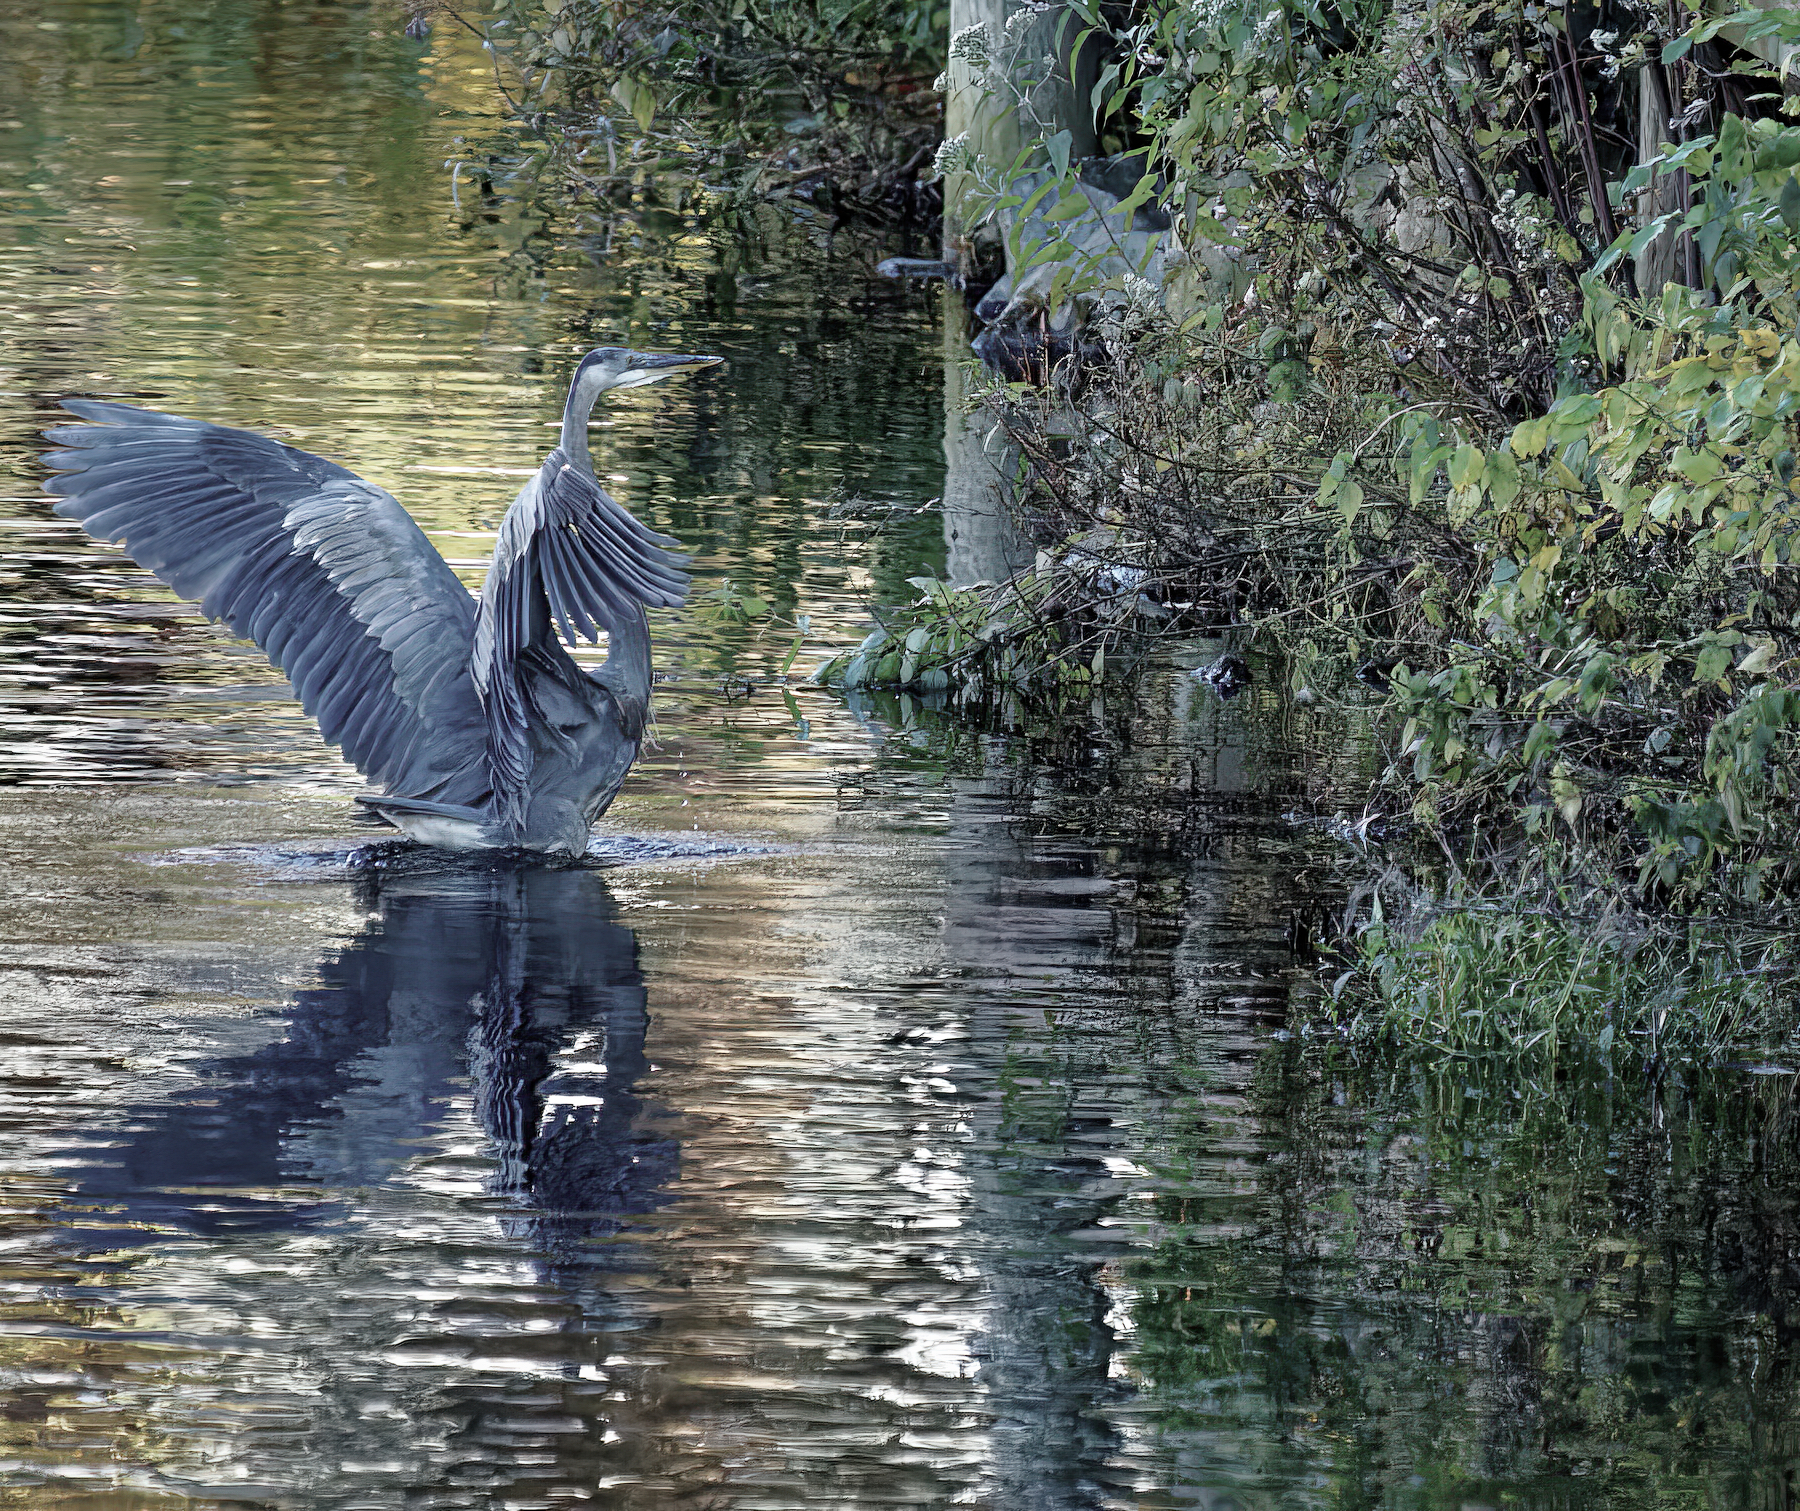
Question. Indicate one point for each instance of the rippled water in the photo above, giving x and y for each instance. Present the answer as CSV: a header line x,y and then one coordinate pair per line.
x,y
905,1117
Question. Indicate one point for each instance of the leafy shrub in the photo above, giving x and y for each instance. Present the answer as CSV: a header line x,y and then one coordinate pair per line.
x,y
1632,652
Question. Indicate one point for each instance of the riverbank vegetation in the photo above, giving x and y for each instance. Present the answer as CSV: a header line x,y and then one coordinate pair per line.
x,y
1444,348
1470,367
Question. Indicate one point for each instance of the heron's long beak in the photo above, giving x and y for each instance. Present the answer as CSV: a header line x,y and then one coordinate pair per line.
x,y
652,367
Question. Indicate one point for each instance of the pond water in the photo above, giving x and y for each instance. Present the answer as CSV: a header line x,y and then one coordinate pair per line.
x,y
909,1118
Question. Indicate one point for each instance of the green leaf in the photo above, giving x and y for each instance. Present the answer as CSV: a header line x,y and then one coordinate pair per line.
x,y
1058,148
1467,466
1649,233
1689,376
1107,77
1733,154
1577,410
1700,466
1502,477
1789,204
1529,437
637,97
1712,663
1067,208
1764,655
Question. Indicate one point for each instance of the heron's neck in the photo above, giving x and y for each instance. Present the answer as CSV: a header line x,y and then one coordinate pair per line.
x,y
575,423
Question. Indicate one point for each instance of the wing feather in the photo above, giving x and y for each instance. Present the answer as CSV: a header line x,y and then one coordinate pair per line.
x,y
565,604
326,572
568,555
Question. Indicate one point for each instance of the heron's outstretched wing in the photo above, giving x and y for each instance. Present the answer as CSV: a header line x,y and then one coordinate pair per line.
x,y
327,573
568,553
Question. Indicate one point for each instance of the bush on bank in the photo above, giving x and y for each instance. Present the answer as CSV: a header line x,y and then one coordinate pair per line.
x,y
1472,368
1560,505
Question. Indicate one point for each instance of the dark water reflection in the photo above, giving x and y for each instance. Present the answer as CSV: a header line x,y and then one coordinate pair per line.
x,y
513,985
947,1150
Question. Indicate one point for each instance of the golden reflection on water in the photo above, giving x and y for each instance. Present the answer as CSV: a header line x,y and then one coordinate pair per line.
x,y
932,1150
238,213
845,1283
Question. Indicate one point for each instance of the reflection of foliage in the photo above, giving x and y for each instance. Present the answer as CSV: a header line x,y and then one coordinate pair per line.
x,y
730,604
808,414
1487,975
1358,1276
1457,1285
824,88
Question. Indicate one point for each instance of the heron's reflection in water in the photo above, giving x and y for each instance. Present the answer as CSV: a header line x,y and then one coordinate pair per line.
x,y
513,985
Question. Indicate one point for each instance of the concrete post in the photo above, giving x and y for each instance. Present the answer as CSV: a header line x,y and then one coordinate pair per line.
x,y
1037,84
982,542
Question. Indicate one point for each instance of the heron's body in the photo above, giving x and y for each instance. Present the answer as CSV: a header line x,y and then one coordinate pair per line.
x,y
474,725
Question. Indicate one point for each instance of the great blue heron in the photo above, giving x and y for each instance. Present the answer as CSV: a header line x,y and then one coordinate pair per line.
x,y
469,716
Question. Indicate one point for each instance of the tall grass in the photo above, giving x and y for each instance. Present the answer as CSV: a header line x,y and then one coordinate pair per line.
x,y
1490,977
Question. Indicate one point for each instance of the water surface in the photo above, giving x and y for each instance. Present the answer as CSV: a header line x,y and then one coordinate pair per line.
x,y
913,1120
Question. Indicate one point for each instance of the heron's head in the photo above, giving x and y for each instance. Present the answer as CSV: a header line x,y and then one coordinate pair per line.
x,y
620,367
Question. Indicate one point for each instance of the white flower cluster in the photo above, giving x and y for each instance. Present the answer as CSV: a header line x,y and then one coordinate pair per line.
x,y
973,45
1126,320
953,155
1019,23
1143,294
1603,43
1525,220
1209,13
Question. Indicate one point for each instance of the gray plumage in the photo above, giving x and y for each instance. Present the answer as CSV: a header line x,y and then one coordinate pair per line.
x,y
470,717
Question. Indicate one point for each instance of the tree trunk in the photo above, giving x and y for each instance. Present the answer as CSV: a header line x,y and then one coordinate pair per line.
x,y
1656,263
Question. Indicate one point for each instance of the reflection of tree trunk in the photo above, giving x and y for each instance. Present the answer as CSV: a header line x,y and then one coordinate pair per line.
x,y
1045,1349
984,545
1054,1139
